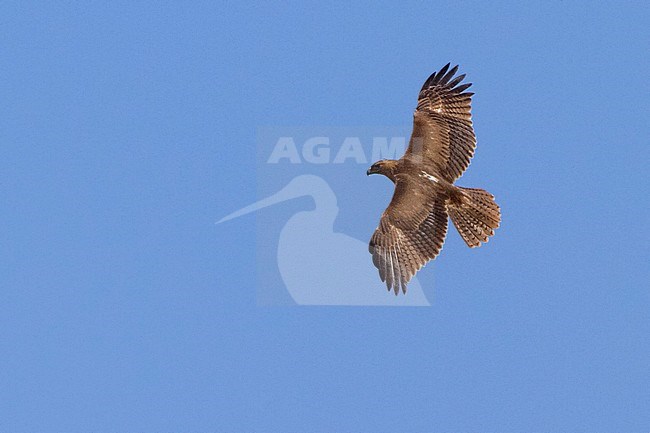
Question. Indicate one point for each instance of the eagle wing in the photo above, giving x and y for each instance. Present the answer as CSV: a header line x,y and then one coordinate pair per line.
x,y
410,233
443,137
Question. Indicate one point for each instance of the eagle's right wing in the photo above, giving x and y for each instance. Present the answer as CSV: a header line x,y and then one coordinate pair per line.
x,y
410,233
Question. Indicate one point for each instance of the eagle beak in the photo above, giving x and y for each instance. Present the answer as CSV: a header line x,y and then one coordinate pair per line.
x,y
371,170
368,173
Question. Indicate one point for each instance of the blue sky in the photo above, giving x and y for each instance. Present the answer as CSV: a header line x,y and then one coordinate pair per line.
x,y
128,129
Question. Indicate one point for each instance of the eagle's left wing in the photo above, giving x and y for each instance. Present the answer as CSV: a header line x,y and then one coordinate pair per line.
x,y
410,233
443,136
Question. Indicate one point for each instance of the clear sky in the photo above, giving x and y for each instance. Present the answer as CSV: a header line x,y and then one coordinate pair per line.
x,y
127,130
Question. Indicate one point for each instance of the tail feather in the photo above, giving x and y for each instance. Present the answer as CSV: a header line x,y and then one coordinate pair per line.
x,y
475,216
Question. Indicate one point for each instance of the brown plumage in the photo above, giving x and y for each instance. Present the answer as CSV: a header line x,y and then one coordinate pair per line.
x,y
413,227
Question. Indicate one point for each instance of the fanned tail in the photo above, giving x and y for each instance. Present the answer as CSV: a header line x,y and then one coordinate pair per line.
x,y
475,216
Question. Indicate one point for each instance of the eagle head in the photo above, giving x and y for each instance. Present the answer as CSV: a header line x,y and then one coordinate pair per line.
x,y
386,167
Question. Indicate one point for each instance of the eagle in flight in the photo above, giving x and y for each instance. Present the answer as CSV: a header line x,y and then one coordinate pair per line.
x,y
413,227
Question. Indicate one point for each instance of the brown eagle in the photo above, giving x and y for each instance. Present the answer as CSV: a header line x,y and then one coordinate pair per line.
x,y
413,227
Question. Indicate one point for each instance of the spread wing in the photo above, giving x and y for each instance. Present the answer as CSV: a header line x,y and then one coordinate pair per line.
x,y
411,232
443,136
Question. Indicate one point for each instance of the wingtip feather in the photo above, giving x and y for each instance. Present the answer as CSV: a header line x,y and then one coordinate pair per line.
x,y
448,75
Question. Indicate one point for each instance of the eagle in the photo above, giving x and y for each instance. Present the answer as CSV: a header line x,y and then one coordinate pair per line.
x,y
413,227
